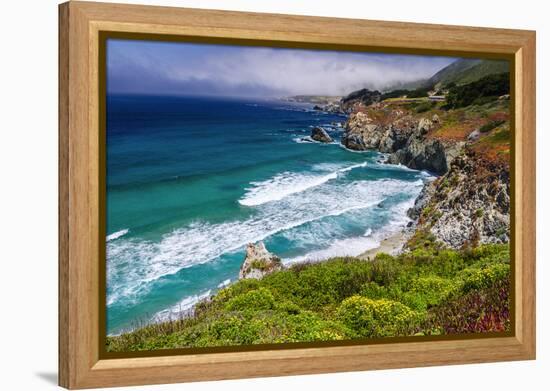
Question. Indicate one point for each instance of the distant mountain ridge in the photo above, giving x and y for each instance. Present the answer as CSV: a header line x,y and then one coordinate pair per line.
x,y
462,71
466,71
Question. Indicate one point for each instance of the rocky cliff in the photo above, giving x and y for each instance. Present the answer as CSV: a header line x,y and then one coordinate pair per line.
x,y
469,203
363,97
404,138
258,262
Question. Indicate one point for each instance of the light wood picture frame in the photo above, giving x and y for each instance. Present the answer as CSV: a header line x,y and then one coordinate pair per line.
x,y
82,364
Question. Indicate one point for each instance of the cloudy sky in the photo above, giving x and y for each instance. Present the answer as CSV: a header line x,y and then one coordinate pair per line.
x,y
198,69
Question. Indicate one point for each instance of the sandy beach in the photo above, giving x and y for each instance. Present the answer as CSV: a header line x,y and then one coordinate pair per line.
x,y
391,245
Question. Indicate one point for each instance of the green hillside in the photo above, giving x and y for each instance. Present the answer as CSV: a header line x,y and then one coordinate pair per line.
x,y
462,71
466,71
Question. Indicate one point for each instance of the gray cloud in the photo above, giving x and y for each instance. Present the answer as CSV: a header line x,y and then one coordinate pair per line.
x,y
149,67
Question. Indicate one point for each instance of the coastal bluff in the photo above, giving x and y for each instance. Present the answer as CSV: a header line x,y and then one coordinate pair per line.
x,y
466,147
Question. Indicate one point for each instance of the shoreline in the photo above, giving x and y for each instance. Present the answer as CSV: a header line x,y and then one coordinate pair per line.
x,y
392,245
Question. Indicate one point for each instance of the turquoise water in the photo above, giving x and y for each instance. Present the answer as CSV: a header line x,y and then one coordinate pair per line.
x,y
191,181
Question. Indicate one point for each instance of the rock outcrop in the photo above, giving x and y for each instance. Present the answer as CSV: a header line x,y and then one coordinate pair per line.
x,y
319,134
258,262
330,107
364,97
405,139
421,201
470,204
422,153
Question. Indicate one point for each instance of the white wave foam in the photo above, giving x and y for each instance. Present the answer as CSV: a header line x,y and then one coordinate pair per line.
x,y
353,150
287,183
117,234
180,310
224,283
303,140
133,264
339,248
309,140
358,245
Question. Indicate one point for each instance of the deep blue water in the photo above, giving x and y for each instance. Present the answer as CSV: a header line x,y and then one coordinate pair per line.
x,y
191,181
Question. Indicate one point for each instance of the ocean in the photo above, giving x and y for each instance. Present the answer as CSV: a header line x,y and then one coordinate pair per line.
x,y
191,181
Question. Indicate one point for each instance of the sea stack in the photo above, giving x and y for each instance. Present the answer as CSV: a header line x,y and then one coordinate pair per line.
x,y
319,134
259,262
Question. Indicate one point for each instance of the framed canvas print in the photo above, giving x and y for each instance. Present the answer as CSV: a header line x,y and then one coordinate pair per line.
x,y
247,195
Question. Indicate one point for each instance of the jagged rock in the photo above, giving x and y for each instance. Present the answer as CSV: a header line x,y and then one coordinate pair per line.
x,y
364,97
474,136
426,154
258,262
320,134
394,138
333,107
405,138
360,134
357,121
424,125
422,200
470,204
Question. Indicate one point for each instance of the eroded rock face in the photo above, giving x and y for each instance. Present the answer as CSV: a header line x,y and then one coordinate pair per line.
x,y
422,200
424,125
364,97
468,205
361,134
259,262
427,154
319,134
405,138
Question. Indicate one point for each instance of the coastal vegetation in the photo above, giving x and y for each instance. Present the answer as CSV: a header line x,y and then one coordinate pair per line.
x,y
425,291
481,91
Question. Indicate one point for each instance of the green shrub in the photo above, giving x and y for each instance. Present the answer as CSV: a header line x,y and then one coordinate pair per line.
x,y
257,300
372,290
376,318
429,291
273,327
314,286
231,330
308,327
425,106
385,269
484,278
479,92
241,287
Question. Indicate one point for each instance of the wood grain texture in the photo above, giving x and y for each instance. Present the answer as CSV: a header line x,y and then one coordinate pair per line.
x,y
79,185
